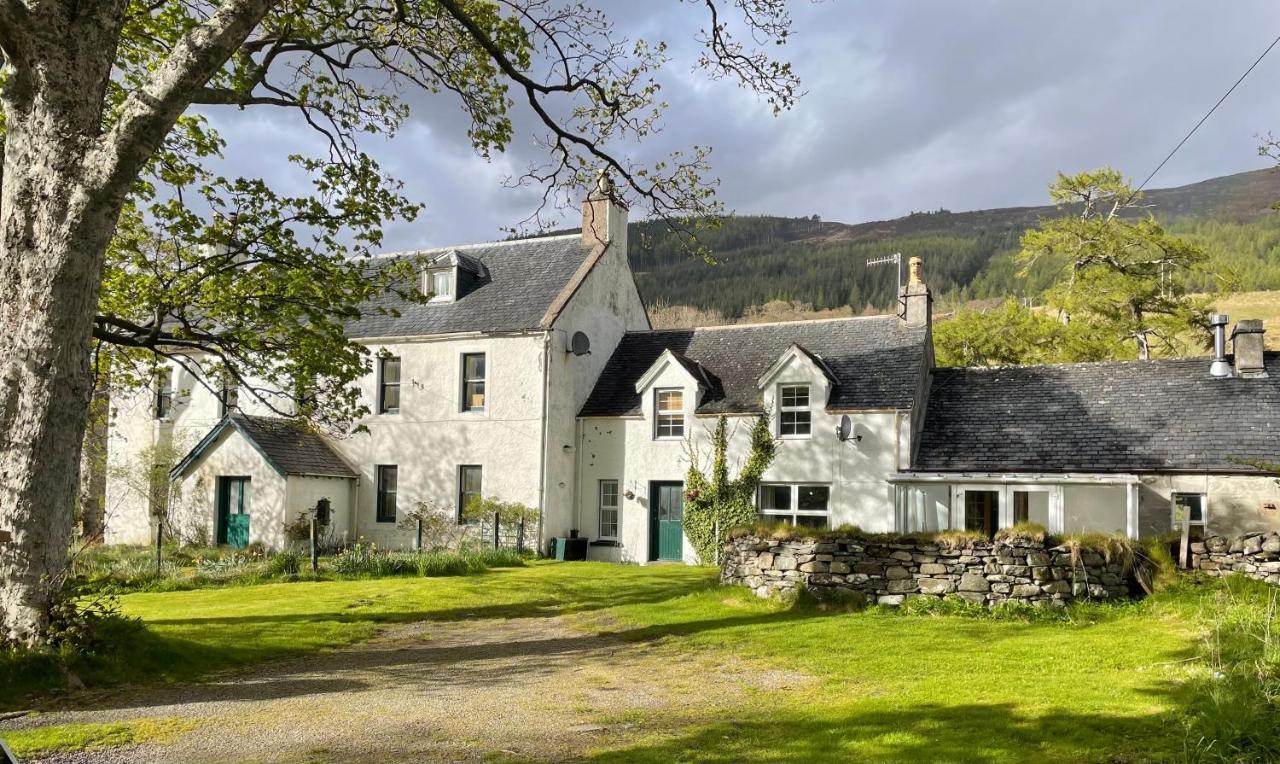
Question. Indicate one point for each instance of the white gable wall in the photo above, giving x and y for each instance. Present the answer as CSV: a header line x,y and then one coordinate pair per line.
x,y
193,507
605,307
624,449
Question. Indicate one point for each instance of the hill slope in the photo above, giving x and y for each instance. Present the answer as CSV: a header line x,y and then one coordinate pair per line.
x,y
969,254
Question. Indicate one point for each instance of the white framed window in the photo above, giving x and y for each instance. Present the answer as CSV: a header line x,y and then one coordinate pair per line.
x,y
388,478
668,408
470,480
439,285
795,420
1192,506
795,504
608,510
389,384
473,382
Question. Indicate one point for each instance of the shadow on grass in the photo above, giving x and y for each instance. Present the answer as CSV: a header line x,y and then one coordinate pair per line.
x,y
835,729
419,663
201,646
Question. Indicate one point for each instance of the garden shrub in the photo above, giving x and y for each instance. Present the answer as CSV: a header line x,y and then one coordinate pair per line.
x,y
288,562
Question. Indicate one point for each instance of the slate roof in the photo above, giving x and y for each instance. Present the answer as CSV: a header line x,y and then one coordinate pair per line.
x,y
523,279
877,363
289,448
1131,416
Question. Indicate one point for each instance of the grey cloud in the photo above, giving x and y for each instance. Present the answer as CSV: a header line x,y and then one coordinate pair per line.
x,y
911,105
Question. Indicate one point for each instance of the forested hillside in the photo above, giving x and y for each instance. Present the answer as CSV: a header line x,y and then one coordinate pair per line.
x,y
969,254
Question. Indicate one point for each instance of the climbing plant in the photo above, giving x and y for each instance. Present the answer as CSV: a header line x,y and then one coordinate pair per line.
x,y
715,498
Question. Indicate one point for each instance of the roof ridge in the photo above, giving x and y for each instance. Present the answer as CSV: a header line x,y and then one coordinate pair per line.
x,y
719,327
476,245
1078,364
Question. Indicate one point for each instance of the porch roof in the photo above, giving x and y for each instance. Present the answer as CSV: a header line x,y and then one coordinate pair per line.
x,y
287,446
1017,478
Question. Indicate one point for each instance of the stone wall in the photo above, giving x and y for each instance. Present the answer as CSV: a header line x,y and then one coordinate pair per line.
x,y
1256,555
887,573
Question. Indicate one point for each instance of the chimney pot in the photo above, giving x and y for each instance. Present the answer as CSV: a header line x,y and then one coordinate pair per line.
x,y
604,219
1218,323
917,303
1248,341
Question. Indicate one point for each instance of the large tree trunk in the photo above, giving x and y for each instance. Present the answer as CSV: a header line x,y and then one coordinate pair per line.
x,y
55,223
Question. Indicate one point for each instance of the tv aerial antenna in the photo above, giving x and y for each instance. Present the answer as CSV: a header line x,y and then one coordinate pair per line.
x,y
894,259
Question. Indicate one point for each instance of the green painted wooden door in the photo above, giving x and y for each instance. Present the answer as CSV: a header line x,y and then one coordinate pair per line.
x,y
233,512
667,521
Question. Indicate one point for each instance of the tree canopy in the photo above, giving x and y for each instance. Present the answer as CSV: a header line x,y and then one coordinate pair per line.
x,y
1119,288
117,233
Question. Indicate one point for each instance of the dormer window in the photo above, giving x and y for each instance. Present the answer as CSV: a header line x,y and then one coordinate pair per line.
x,y
440,285
669,414
795,419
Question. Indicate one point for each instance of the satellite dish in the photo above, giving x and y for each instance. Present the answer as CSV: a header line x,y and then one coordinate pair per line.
x,y
844,428
579,344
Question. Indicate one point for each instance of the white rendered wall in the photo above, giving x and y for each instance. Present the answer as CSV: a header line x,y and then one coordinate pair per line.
x,y
135,437
605,307
624,449
194,497
1096,509
303,492
430,436
1236,504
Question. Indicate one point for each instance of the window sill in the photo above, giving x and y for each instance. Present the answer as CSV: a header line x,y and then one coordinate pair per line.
x,y
606,542
669,438
795,437
384,521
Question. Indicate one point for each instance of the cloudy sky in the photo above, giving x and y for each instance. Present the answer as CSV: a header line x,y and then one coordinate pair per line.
x,y
910,105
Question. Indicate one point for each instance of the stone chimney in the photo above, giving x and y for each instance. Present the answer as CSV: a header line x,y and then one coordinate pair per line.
x,y
1247,342
604,219
916,302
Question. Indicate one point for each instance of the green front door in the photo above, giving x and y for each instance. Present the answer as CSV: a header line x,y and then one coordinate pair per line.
x,y
233,512
666,521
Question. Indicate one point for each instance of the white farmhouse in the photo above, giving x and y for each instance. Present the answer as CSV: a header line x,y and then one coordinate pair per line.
x,y
533,376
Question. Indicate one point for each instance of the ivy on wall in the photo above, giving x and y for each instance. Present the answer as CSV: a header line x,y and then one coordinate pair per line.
x,y
715,498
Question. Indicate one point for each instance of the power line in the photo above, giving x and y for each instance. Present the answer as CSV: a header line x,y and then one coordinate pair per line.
x,y
1187,137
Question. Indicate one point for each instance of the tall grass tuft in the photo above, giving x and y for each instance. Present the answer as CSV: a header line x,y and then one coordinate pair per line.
x,y
1234,712
1034,533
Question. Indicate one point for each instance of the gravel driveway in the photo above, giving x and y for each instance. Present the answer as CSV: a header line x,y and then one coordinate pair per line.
x,y
520,689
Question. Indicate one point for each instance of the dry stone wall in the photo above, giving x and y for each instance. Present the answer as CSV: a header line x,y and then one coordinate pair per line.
x,y
1256,555
887,573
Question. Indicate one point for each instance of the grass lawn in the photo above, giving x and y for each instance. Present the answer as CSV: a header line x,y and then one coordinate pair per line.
x,y
885,687
931,688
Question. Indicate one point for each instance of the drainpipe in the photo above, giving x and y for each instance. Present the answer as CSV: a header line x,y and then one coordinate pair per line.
x,y
355,511
578,436
542,454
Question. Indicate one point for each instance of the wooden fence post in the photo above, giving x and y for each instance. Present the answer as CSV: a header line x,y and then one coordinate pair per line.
x,y
496,517
159,544
520,536
315,552
1184,553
